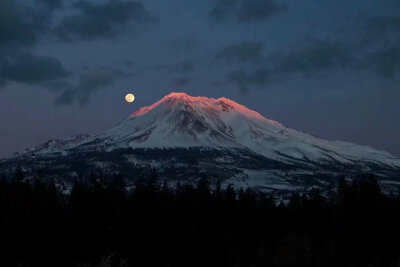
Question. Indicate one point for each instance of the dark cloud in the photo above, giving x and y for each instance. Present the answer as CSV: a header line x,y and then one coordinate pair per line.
x,y
51,4
383,24
185,66
180,67
244,80
223,9
182,81
258,10
24,24
129,63
184,44
314,56
382,62
372,47
89,83
104,20
246,10
242,52
381,46
21,25
27,68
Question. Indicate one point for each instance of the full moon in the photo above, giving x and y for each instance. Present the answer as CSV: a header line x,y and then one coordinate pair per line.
x,y
130,98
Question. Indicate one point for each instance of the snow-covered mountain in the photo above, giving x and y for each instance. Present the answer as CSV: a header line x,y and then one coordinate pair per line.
x,y
220,136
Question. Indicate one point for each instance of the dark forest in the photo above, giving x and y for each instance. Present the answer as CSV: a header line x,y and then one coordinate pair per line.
x,y
101,223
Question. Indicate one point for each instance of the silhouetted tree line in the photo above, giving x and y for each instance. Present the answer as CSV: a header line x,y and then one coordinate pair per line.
x,y
154,225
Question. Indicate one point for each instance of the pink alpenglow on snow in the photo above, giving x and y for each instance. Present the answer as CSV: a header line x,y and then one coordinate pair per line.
x,y
222,103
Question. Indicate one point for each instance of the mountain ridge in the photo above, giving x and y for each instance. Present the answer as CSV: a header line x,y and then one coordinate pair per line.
x,y
237,143
195,115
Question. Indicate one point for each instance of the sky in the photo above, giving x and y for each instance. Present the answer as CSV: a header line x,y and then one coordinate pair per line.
x,y
329,68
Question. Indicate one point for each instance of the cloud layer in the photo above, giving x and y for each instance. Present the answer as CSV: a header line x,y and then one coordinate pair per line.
x,y
372,47
24,25
27,68
246,11
243,52
104,20
89,82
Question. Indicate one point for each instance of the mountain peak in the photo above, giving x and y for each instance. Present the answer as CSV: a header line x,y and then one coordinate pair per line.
x,y
179,119
177,95
222,104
